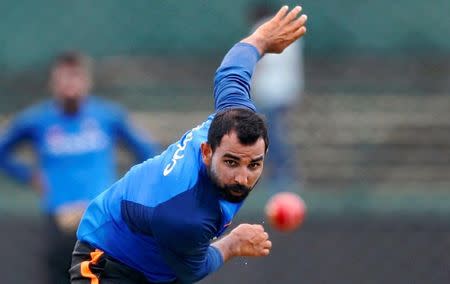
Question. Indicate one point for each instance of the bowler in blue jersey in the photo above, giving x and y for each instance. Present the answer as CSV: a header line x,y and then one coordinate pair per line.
x,y
74,136
163,221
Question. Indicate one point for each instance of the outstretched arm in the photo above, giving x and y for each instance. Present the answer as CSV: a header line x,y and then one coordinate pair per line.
x,y
142,146
192,261
232,80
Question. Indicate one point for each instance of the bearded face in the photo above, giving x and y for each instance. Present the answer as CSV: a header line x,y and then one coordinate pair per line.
x,y
233,167
233,193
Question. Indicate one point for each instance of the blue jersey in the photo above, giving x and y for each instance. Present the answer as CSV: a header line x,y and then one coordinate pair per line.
x,y
75,154
161,216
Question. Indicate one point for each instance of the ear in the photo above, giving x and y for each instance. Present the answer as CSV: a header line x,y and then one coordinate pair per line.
x,y
206,153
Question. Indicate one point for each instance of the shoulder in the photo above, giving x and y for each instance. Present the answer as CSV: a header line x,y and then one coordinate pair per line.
x,y
185,152
107,109
172,172
105,104
35,112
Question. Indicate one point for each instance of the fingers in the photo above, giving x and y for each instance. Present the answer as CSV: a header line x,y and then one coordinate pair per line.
x,y
264,244
281,13
300,32
259,235
295,24
254,227
291,15
253,240
258,228
260,238
298,23
265,248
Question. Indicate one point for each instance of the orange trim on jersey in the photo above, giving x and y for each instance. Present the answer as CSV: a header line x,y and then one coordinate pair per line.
x,y
86,271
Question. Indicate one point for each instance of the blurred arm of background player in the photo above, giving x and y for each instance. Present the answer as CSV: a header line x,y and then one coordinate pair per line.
x,y
19,130
271,37
139,142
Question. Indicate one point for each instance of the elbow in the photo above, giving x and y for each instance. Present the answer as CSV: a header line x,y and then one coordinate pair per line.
x,y
196,273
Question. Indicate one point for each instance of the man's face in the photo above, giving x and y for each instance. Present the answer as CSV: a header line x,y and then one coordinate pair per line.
x,y
69,84
233,167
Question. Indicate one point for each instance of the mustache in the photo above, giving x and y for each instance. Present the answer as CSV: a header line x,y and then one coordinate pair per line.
x,y
237,188
235,193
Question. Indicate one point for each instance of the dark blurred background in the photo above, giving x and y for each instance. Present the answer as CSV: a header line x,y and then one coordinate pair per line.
x,y
371,134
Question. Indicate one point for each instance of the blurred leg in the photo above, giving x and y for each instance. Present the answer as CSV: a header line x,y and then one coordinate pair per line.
x,y
59,251
281,156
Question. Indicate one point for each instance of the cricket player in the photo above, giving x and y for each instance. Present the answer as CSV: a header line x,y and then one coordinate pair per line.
x,y
73,136
158,223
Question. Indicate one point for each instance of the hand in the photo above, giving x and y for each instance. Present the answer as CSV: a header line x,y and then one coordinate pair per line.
x,y
251,240
68,216
279,32
245,240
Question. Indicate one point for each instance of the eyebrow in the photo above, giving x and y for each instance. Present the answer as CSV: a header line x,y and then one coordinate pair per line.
x,y
231,156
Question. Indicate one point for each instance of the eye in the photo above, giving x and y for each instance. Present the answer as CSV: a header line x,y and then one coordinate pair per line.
x,y
231,163
254,166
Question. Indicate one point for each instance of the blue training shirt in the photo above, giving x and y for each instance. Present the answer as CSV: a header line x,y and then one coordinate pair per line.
x,y
161,216
75,154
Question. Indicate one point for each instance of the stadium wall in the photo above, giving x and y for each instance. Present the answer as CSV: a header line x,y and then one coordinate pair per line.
x,y
338,249
36,30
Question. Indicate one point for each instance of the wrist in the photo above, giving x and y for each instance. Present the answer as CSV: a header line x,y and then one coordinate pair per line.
x,y
227,247
258,42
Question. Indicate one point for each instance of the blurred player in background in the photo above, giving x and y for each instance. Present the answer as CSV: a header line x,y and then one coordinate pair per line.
x,y
74,136
155,224
277,86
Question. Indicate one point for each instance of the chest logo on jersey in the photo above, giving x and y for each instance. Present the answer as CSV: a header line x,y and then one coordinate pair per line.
x,y
181,147
88,138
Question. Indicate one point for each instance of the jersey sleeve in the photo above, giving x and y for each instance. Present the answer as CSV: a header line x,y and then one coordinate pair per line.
x,y
190,262
135,139
184,246
233,78
20,129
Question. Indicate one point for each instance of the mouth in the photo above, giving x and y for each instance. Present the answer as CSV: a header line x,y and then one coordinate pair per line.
x,y
237,193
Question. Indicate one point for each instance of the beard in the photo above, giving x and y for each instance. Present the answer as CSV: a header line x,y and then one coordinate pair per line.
x,y
71,106
234,193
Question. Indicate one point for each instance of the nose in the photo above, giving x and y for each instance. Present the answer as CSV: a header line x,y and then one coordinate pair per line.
x,y
241,178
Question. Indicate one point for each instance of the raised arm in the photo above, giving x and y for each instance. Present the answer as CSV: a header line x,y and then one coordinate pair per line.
x,y
232,80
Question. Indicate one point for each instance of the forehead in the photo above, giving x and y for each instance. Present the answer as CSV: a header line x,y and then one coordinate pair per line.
x,y
230,144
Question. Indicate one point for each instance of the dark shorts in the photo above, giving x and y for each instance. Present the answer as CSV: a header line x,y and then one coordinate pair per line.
x,y
58,253
93,266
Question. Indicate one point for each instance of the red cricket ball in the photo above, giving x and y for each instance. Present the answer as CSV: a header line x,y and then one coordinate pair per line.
x,y
285,211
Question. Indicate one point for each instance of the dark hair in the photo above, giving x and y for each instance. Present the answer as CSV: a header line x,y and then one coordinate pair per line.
x,y
74,59
248,125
